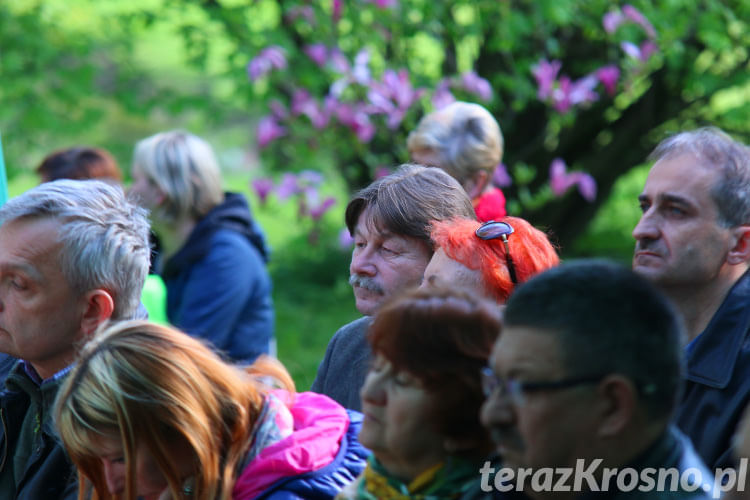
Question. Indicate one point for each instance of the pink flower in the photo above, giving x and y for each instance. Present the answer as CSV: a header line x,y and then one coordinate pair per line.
x,y
288,186
608,76
442,96
612,20
318,52
263,187
501,178
560,181
268,130
477,85
642,53
545,73
393,96
306,12
382,172
318,211
647,49
384,4
635,15
345,239
336,11
266,60
278,110
361,72
304,104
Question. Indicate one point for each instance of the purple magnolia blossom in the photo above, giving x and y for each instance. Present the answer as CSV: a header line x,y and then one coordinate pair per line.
x,y
443,96
345,239
560,181
359,73
268,130
266,60
310,178
635,15
608,76
304,104
263,187
318,52
382,172
306,12
642,53
288,186
475,84
336,11
545,73
569,93
393,96
500,177
278,110
355,117
612,20
383,4
317,211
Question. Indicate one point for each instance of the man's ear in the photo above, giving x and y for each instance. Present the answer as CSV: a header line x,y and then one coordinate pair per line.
x,y
619,400
98,308
740,252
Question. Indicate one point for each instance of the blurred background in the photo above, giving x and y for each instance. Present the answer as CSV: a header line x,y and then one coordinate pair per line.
x,y
306,101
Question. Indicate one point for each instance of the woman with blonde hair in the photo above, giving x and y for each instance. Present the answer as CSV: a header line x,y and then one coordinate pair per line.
x,y
213,253
465,140
149,412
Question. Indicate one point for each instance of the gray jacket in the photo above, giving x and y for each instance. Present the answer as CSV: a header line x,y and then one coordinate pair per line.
x,y
342,372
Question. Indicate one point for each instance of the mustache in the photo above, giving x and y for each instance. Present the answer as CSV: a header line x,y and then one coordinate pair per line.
x,y
365,282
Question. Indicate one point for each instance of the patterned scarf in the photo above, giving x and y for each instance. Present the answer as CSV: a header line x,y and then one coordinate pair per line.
x,y
446,480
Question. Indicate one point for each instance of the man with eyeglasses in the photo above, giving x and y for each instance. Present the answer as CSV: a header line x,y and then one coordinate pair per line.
x,y
584,378
389,220
693,243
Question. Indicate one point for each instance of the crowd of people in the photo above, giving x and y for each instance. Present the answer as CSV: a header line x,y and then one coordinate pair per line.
x,y
482,367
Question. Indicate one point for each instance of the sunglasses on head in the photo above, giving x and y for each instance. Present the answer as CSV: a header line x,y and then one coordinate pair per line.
x,y
491,230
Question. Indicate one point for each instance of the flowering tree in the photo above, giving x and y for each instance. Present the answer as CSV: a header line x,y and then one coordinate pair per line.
x,y
588,87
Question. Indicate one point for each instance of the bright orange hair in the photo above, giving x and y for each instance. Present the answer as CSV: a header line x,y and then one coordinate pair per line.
x,y
530,249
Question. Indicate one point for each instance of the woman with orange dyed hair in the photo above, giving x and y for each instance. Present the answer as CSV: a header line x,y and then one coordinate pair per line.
x,y
490,258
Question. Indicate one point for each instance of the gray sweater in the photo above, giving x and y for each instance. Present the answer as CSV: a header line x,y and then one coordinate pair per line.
x,y
342,372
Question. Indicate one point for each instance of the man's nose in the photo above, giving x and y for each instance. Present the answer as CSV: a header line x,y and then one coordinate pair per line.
x,y
647,228
362,262
497,411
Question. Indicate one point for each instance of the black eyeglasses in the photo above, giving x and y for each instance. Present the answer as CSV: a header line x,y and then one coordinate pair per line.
x,y
492,230
515,389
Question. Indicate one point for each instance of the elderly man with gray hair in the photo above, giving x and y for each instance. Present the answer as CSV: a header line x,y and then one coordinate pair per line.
x,y
390,222
73,255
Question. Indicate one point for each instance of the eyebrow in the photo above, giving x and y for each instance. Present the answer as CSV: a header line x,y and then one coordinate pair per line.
x,y
27,269
667,197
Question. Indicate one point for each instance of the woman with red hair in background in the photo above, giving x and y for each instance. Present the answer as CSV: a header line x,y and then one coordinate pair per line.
x,y
422,395
490,258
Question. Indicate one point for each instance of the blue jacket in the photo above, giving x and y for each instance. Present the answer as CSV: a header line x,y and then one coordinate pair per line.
x,y
717,389
218,287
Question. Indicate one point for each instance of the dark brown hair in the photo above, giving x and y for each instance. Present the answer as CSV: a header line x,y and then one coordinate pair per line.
x,y
79,163
405,202
443,337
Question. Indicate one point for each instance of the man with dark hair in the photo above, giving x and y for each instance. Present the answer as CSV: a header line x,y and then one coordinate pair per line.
x,y
389,221
588,367
693,242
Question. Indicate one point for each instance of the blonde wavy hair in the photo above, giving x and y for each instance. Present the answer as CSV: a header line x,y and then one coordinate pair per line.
x,y
151,386
185,169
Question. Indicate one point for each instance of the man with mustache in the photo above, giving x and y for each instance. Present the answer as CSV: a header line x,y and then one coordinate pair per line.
x,y
581,385
693,242
390,222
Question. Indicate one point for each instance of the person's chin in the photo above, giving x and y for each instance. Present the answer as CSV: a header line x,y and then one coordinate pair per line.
x,y
367,302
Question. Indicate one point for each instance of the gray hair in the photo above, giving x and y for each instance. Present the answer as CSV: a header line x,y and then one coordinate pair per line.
x,y
716,149
464,135
185,168
104,237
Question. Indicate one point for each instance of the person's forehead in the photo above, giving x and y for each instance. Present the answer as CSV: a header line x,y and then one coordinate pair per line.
x,y
684,175
527,350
